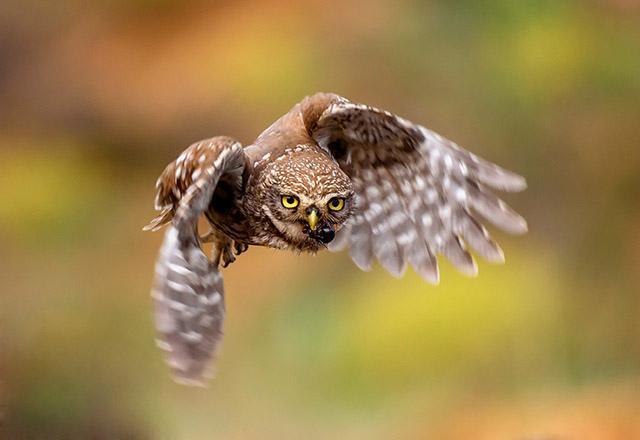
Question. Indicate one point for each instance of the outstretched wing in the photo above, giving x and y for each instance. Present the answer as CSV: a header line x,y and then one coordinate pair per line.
x,y
188,289
418,193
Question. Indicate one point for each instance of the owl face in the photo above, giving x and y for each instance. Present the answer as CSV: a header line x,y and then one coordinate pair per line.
x,y
308,198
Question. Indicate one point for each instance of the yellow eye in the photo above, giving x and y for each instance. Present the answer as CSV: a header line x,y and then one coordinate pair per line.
x,y
336,204
290,202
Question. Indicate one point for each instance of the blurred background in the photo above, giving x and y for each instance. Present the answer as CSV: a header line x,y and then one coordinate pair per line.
x,y
97,97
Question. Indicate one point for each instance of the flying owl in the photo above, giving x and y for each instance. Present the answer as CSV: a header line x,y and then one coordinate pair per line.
x,y
328,174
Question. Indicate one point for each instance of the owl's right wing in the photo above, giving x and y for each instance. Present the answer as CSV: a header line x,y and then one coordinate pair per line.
x,y
188,289
418,194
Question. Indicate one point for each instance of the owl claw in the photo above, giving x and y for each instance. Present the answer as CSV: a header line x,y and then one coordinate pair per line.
x,y
225,251
239,248
227,255
231,250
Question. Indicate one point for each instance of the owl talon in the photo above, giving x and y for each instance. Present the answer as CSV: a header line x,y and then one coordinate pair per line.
x,y
225,251
227,255
239,248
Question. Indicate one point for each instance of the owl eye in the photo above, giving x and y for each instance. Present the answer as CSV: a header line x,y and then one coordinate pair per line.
x,y
290,202
336,204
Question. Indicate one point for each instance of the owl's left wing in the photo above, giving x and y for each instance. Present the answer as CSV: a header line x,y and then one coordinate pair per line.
x,y
418,194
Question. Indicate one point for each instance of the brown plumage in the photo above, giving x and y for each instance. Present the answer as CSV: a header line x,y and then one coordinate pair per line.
x,y
385,187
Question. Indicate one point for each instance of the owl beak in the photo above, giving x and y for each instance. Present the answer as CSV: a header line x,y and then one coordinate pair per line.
x,y
312,218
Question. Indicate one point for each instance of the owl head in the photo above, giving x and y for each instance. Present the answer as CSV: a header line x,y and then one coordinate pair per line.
x,y
307,197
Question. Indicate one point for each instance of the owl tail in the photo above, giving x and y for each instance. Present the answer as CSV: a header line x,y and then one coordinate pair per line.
x,y
189,306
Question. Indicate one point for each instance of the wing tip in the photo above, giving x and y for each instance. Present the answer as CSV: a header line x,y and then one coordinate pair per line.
x,y
199,382
520,183
510,181
431,274
363,261
430,280
500,178
469,270
519,226
189,372
396,271
496,257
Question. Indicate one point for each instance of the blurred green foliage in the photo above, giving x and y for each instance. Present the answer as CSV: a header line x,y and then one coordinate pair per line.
x,y
97,97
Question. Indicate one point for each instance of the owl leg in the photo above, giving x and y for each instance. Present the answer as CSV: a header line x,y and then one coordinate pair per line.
x,y
222,251
217,251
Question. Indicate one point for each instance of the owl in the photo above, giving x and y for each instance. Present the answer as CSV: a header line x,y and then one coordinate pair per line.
x,y
330,174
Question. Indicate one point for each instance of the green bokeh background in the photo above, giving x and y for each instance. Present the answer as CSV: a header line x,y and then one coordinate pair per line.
x,y
96,97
